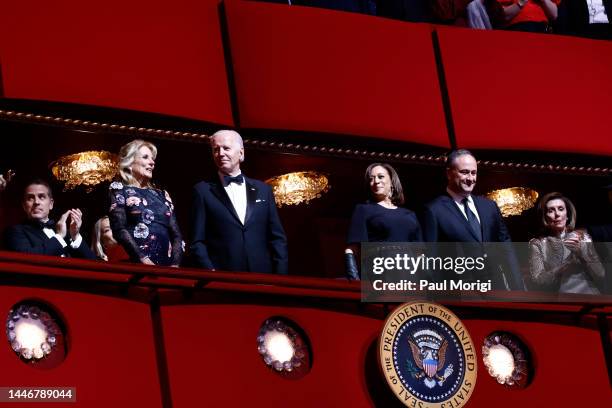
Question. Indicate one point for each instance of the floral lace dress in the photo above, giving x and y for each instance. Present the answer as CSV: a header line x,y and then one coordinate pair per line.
x,y
144,223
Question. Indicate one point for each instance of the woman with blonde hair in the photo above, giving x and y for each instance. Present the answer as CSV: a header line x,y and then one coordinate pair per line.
x,y
103,243
141,216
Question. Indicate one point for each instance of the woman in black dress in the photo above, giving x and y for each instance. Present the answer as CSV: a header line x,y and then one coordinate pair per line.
x,y
381,219
141,216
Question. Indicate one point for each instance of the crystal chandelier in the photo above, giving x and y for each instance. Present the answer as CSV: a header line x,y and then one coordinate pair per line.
x,y
513,200
298,187
86,168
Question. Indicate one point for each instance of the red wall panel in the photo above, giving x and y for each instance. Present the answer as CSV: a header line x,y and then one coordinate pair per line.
x,y
310,69
512,90
154,56
557,353
111,357
212,356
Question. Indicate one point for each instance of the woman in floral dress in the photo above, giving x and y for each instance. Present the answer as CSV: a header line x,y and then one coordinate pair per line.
x,y
141,216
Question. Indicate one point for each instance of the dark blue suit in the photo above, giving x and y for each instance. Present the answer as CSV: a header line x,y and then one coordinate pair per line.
x,y
30,238
444,222
220,241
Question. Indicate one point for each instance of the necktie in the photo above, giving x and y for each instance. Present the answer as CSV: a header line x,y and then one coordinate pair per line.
x,y
239,179
472,220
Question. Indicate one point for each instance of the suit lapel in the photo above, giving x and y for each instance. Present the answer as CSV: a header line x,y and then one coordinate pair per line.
x,y
251,195
39,237
450,203
36,232
218,190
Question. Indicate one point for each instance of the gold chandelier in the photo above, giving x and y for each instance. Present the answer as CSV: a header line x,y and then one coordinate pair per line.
x,y
298,187
86,168
513,200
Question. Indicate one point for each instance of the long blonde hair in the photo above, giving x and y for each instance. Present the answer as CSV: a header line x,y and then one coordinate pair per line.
x,y
96,243
127,154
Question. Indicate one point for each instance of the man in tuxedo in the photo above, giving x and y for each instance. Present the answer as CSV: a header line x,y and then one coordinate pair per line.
x,y
40,235
235,225
459,216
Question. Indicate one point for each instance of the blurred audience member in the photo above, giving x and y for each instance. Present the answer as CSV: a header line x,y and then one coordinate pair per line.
x,y
5,179
356,6
563,259
104,245
41,235
451,12
528,15
417,11
141,216
477,15
586,18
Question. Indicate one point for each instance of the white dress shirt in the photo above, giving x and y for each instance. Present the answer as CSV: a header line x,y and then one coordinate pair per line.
x,y
597,12
50,233
237,195
458,198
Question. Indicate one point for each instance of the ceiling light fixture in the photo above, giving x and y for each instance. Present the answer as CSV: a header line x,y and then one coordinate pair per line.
x,y
86,168
513,200
298,187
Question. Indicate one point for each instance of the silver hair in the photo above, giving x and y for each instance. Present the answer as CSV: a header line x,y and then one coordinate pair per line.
x,y
232,132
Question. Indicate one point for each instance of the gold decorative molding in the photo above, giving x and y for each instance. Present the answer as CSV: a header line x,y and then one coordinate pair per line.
x,y
298,148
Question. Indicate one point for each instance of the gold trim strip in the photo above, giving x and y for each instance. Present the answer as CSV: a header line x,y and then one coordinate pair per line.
x,y
287,147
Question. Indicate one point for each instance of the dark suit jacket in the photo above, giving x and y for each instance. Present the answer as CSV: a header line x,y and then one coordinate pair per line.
x,y
444,222
31,239
602,237
220,241
574,16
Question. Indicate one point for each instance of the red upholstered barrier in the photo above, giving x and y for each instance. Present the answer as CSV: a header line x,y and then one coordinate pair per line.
x,y
162,57
527,91
210,347
310,69
212,354
111,357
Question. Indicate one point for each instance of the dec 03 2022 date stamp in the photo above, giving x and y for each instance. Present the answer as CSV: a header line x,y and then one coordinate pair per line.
x,y
37,394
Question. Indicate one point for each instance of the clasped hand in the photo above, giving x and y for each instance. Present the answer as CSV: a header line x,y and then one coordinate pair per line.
x,y
70,221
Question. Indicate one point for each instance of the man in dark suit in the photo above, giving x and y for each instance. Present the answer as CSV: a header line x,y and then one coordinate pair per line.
x,y
586,18
40,235
234,220
602,237
459,216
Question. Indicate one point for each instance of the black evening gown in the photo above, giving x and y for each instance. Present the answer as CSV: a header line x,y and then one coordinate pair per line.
x,y
144,223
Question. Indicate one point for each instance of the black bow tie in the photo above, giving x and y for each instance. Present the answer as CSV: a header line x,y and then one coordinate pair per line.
x,y
239,179
44,224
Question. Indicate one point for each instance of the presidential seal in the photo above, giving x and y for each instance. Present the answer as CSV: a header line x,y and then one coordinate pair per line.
x,y
427,356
